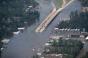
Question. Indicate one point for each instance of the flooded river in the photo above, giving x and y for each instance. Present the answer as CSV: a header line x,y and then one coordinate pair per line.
x,y
21,45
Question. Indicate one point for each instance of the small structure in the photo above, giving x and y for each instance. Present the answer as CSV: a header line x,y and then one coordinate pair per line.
x,y
53,56
2,49
56,37
16,33
41,57
5,41
21,29
30,6
86,38
39,54
56,28
84,9
47,44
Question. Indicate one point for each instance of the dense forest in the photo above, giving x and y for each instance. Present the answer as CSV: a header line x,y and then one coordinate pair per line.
x,y
13,14
16,13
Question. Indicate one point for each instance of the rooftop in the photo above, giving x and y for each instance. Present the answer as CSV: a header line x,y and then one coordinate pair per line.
x,y
53,56
84,9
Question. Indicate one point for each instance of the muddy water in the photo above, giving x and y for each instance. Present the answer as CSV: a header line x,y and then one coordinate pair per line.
x,y
21,45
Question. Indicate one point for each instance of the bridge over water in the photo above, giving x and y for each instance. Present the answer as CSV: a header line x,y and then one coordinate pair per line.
x,y
50,17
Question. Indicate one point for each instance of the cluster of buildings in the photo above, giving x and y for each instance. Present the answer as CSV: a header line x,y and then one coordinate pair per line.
x,y
65,34
75,34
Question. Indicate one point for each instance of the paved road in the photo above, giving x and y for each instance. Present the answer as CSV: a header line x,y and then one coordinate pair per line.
x,y
21,45
51,17
46,21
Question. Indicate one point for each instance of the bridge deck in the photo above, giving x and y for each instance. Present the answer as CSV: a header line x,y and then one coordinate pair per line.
x,y
50,17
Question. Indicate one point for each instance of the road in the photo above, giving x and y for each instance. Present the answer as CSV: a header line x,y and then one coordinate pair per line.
x,y
51,17
46,21
42,26
21,45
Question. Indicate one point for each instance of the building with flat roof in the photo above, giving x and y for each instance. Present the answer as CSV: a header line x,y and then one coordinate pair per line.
x,y
53,56
84,9
75,34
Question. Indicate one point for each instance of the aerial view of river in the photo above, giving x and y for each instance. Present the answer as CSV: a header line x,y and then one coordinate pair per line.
x,y
21,45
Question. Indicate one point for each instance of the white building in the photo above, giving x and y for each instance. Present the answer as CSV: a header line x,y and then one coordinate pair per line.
x,y
5,41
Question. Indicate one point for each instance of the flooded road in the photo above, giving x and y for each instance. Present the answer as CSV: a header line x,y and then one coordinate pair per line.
x,y
21,45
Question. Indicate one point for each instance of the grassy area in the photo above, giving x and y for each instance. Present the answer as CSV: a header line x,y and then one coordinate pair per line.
x,y
59,3
68,0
